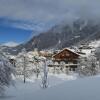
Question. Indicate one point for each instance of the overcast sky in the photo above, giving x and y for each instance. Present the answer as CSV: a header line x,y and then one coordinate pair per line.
x,y
38,15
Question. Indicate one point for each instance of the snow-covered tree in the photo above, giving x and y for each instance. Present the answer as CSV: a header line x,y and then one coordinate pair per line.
x,y
97,53
44,72
36,63
45,77
88,66
23,65
6,71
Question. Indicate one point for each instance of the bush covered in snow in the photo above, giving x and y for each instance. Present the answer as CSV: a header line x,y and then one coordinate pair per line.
x,y
88,66
97,53
6,71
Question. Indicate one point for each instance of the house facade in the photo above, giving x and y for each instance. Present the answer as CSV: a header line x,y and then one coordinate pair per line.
x,y
69,57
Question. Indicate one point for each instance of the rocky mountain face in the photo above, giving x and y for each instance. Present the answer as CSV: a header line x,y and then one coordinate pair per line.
x,y
62,35
65,35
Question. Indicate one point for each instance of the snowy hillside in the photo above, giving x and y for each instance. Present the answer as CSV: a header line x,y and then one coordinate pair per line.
x,y
95,43
80,89
91,47
60,36
10,44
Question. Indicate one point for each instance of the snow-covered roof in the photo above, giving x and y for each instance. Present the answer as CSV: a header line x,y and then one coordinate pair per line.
x,y
71,50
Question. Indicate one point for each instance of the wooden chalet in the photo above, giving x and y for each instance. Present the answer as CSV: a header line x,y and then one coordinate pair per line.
x,y
67,56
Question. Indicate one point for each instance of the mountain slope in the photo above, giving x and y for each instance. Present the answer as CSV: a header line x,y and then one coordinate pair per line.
x,y
66,35
62,35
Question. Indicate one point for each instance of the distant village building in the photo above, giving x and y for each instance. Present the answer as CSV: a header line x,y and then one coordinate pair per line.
x,y
68,56
46,54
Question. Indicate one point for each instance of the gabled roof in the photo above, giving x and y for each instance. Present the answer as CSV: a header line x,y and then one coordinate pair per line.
x,y
67,50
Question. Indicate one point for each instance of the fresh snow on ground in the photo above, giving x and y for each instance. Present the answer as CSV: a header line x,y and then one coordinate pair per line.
x,y
79,89
33,85
53,79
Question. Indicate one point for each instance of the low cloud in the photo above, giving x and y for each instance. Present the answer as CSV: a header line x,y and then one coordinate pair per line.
x,y
48,11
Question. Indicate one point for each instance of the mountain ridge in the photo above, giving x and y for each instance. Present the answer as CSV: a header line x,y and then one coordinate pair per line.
x,y
62,35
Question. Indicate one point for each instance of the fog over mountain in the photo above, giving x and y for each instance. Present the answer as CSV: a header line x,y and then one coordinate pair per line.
x,y
41,14
65,22
61,36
